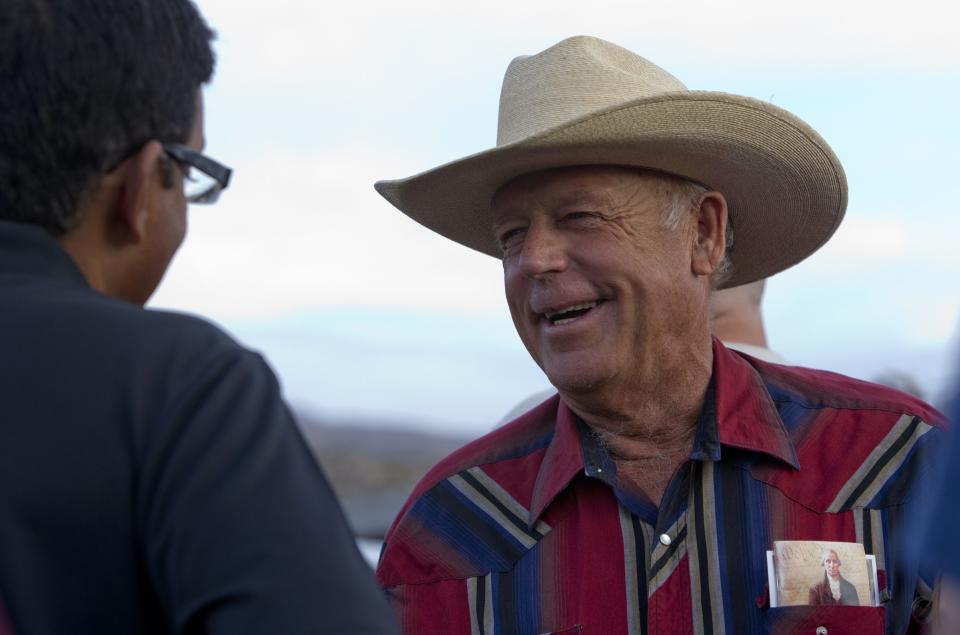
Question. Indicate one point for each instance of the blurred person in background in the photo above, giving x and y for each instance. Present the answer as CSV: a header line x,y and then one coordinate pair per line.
x,y
151,478
736,317
643,498
901,381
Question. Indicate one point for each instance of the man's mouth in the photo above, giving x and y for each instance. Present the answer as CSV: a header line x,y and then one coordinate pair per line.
x,y
570,313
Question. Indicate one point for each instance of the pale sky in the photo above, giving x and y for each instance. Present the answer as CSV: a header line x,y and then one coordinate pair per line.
x,y
364,312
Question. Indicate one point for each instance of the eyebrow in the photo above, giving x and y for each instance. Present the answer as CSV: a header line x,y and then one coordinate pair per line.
x,y
578,196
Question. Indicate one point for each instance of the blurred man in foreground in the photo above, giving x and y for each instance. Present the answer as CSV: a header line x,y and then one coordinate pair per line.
x,y
939,524
151,478
643,498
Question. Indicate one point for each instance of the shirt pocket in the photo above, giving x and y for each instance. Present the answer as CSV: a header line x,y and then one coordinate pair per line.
x,y
825,620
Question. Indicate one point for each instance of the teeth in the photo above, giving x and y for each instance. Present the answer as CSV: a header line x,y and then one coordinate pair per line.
x,y
575,307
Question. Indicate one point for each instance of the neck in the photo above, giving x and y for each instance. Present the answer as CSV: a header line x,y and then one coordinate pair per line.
x,y
78,247
649,424
108,267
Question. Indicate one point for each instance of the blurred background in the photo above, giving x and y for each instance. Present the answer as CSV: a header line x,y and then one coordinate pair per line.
x,y
394,345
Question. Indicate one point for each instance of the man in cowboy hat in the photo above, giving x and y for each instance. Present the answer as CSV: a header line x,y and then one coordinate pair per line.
x,y
644,496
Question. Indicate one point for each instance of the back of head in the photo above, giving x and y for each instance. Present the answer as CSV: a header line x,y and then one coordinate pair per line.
x,y
83,84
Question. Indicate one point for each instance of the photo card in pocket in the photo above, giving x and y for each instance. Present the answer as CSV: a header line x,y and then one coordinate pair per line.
x,y
821,573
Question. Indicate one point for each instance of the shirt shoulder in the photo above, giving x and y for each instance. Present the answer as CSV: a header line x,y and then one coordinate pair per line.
x,y
182,357
859,445
109,325
469,515
819,389
71,336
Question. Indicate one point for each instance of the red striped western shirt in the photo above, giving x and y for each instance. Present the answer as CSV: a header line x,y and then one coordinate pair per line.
x,y
529,529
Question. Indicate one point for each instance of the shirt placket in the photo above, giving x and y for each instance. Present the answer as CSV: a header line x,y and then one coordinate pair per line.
x,y
662,538
666,562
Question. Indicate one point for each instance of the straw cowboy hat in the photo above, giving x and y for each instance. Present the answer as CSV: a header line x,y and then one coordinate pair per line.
x,y
586,101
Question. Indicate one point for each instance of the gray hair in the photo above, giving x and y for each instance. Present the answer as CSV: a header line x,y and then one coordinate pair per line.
x,y
826,554
683,195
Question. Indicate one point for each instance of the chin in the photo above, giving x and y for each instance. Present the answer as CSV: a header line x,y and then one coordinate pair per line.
x,y
575,378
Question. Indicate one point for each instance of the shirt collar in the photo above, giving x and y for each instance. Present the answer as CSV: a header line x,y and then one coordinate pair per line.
x,y
562,461
29,250
746,416
738,412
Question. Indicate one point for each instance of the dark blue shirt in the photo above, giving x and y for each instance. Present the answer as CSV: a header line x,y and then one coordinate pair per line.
x,y
151,478
939,542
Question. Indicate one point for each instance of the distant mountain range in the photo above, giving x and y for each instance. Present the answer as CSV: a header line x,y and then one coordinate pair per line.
x,y
373,468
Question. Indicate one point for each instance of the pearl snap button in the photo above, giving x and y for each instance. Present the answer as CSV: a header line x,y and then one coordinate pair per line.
x,y
665,540
822,630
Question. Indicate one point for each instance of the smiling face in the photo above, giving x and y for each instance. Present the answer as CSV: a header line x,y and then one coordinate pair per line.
x,y
597,285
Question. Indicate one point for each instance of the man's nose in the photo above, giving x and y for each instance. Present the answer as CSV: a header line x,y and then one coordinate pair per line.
x,y
544,249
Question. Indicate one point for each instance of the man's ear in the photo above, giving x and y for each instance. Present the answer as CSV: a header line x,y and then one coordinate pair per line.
x,y
138,177
710,234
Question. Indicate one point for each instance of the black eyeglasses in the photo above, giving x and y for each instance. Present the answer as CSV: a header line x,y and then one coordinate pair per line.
x,y
204,178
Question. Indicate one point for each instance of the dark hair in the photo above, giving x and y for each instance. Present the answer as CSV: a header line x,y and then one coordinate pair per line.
x,y
85,83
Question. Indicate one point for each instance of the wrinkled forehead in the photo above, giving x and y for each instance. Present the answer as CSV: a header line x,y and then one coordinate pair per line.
x,y
570,185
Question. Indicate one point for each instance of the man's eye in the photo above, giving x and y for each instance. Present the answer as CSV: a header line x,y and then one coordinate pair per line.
x,y
510,237
578,216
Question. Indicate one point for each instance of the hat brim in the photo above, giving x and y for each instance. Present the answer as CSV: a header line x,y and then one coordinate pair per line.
x,y
785,189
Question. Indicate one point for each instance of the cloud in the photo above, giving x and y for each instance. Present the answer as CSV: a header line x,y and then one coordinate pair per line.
x,y
300,230
315,101
877,239
297,40
445,370
864,239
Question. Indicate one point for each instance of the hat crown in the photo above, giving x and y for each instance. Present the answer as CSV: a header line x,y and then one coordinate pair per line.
x,y
571,80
